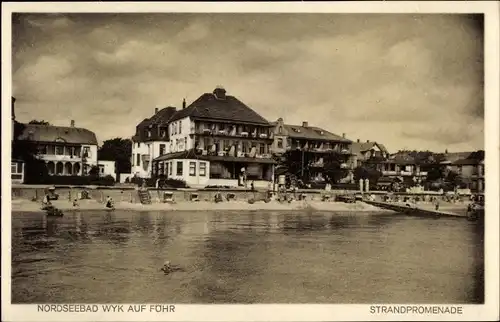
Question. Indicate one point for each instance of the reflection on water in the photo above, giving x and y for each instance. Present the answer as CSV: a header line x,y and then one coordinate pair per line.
x,y
245,257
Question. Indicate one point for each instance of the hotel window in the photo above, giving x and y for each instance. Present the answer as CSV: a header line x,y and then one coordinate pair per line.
x,y
179,168
162,149
262,148
203,169
13,167
149,133
192,169
185,143
51,149
280,143
163,133
280,130
133,159
138,160
180,127
59,150
86,152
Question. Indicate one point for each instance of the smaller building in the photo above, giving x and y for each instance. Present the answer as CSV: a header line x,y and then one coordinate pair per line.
x,y
372,152
17,171
471,170
151,140
107,168
65,150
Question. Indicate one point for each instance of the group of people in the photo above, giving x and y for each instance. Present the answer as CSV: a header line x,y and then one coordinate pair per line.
x,y
46,204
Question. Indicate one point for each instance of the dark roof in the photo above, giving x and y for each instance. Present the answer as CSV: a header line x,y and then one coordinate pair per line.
x,y
455,156
401,159
162,117
312,133
50,133
191,154
474,158
357,147
208,106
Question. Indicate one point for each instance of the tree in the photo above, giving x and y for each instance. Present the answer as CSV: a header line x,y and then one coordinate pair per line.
x,y
27,151
42,122
367,171
333,167
118,150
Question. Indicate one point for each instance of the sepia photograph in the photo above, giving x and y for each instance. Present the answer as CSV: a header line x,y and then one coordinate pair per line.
x,y
247,158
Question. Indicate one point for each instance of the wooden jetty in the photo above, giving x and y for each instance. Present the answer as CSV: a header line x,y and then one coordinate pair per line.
x,y
412,210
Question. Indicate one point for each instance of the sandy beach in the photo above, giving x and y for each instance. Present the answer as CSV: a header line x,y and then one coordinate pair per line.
x,y
26,205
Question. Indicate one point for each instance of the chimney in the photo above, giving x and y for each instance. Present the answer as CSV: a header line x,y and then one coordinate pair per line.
x,y
343,135
220,93
357,140
304,124
72,123
156,110
367,141
183,103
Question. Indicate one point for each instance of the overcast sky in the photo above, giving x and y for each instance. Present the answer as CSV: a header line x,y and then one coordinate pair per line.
x,y
405,81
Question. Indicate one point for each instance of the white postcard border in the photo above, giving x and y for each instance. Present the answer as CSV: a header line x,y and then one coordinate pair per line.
x,y
274,312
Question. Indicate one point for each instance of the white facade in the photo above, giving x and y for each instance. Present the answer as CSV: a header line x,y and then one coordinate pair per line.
x,y
107,168
179,135
143,154
196,173
64,159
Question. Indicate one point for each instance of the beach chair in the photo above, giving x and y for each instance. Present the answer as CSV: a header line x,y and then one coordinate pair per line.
x,y
168,197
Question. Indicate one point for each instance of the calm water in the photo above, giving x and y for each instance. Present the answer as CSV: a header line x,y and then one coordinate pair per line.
x,y
244,257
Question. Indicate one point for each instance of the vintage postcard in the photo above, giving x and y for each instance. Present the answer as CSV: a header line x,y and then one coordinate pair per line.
x,y
277,161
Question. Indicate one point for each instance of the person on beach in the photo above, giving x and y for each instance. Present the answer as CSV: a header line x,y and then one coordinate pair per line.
x,y
75,203
252,187
109,203
46,202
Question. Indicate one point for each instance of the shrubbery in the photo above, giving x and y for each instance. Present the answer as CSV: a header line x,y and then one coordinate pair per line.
x,y
164,183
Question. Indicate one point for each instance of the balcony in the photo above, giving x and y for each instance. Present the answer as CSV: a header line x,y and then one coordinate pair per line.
x,y
406,173
232,134
390,173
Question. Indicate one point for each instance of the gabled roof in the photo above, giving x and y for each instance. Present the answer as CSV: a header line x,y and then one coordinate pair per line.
x,y
312,133
162,117
228,108
401,159
357,147
50,133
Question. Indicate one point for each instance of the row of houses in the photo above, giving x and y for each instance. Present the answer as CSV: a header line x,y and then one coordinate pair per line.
x,y
219,140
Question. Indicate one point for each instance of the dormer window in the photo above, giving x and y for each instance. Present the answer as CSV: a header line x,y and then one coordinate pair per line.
x,y
295,130
149,133
280,130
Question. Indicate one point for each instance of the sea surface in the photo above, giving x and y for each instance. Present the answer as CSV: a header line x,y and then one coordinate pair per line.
x,y
245,257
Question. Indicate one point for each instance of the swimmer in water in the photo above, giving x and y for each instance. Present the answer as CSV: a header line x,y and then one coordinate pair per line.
x,y
168,268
